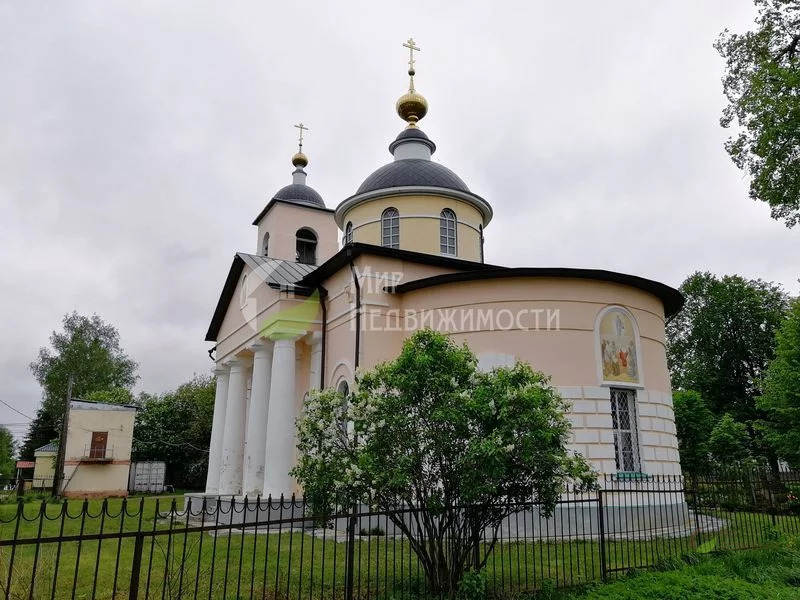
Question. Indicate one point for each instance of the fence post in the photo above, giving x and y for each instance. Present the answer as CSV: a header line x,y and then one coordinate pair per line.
x,y
771,487
696,496
136,567
351,546
602,524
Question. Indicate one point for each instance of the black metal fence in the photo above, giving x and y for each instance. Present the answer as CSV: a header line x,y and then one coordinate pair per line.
x,y
204,547
30,486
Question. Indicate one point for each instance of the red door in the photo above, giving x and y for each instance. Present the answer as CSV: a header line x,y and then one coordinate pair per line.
x,y
98,447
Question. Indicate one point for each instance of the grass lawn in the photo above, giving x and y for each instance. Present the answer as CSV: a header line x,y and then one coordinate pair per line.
x,y
771,572
291,564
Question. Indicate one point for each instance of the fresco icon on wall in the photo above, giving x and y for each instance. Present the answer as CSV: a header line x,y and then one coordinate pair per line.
x,y
618,347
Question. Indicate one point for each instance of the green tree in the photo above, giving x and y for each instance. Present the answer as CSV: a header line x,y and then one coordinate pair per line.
x,y
694,423
762,85
176,427
8,448
729,441
722,341
112,396
88,349
781,398
457,448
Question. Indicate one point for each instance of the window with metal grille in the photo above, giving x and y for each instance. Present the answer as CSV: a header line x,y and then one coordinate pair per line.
x,y
306,246
390,228
348,233
626,438
447,232
344,389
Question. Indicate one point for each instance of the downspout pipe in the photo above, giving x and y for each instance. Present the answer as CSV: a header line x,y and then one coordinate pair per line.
x,y
358,315
323,296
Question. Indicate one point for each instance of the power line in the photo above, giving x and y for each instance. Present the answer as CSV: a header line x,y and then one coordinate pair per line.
x,y
19,412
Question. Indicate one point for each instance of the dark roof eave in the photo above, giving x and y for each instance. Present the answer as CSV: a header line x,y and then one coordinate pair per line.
x,y
671,298
351,251
300,204
225,296
229,289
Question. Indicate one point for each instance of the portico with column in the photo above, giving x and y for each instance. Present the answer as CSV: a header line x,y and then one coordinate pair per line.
x,y
252,445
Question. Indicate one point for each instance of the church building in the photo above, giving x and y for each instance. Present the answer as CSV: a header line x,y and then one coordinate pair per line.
x,y
330,288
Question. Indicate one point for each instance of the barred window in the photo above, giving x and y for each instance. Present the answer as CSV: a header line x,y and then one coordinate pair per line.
x,y
390,228
626,439
447,232
344,389
348,233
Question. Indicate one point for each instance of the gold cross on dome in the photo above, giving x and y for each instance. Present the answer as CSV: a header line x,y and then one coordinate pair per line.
x,y
411,47
302,128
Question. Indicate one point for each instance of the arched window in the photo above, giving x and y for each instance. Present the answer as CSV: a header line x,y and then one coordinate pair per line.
x,y
348,233
344,389
306,246
447,232
390,228
265,247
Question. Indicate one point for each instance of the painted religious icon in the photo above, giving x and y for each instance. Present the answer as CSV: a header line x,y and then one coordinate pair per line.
x,y
618,351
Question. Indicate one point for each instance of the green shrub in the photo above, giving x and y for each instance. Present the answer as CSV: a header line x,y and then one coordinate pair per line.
x,y
472,586
684,585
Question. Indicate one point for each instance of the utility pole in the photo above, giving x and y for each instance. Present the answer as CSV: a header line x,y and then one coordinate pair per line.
x,y
58,475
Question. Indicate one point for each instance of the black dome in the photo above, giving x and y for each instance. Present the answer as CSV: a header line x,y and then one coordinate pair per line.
x,y
415,134
300,194
412,172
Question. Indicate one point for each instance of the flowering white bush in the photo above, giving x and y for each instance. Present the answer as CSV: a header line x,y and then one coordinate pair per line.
x,y
454,448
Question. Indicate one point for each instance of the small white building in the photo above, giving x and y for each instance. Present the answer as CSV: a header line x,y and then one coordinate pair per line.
x,y
44,466
97,456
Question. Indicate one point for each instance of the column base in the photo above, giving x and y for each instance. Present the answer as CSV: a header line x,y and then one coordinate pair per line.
x,y
213,509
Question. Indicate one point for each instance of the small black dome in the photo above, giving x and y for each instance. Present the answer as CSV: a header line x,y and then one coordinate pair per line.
x,y
300,194
412,172
412,133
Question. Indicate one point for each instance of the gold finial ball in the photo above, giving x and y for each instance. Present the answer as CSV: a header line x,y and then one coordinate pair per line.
x,y
300,160
412,107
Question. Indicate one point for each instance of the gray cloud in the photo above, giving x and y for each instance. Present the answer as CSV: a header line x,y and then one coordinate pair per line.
x,y
138,141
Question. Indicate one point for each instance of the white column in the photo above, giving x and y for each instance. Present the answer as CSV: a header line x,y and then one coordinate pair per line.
x,y
316,361
280,422
257,420
217,430
230,478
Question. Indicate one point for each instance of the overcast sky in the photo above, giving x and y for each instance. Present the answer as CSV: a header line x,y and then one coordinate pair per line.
x,y
138,140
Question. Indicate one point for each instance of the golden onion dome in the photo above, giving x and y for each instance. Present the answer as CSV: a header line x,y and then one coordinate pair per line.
x,y
412,107
300,160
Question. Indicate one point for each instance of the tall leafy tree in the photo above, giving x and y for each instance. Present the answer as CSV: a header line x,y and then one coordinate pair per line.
x,y
694,423
460,450
88,349
781,398
762,85
729,441
8,448
722,341
176,427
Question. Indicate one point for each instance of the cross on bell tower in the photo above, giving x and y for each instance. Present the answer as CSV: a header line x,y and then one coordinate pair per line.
x,y
411,71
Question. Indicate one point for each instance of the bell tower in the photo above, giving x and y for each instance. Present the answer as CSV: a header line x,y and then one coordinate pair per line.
x,y
296,225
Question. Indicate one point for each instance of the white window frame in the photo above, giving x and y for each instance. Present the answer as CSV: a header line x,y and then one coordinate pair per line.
x,y
348,233
390,228
627,461
448,232
343,388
